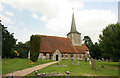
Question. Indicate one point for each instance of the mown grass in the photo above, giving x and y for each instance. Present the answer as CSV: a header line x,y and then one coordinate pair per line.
x,y
110,69
11,65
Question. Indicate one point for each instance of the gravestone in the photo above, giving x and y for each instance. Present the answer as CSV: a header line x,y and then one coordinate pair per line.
x,y
90,62
58,64
106,60
99,60
85,59
78,63
102,66
103,59
93,64
72,61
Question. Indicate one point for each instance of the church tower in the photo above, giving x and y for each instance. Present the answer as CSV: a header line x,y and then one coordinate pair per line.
x,y
74,35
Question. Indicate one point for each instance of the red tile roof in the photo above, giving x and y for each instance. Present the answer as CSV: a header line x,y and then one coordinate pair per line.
x,y
52,43
64,45
82,48
79,49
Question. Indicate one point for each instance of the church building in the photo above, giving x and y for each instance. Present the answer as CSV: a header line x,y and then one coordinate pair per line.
x,y
58,48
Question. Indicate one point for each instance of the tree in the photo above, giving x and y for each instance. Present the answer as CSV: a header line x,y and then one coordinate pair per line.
x,y
8,43
87,41
23,49
95,51
110,42
93,48
34,47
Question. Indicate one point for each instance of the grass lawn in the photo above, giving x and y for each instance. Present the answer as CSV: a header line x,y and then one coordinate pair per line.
x,y
10,65
110,69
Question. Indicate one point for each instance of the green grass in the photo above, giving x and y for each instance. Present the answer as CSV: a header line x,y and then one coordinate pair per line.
x,y
110,69
11,65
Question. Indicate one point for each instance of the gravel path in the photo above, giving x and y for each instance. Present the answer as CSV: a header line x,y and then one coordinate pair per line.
x,y
26,71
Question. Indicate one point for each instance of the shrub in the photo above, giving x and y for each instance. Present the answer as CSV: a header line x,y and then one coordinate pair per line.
x,y
34,47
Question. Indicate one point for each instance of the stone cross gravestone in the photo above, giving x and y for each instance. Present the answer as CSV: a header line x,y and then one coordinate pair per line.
x,y
93,64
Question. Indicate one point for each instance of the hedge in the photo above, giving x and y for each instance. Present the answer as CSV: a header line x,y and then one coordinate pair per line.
x,y
34,47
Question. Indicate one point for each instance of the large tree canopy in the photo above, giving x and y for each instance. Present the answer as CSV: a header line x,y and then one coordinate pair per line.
x,y
93,48
8,42
110,42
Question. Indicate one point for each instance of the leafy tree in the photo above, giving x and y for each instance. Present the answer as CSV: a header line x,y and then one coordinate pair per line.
x,y
93,48
87,41
8,43
95,51
110,42
23,49
34,47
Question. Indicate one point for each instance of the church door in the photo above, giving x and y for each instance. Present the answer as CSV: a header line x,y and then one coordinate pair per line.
x,y
56,57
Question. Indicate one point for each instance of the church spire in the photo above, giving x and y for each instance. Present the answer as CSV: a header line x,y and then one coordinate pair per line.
x,y
73,26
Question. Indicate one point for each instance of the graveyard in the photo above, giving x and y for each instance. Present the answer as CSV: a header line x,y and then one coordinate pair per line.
x,y
80,68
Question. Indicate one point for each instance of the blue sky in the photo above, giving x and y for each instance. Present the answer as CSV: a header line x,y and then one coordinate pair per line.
x,y
53,17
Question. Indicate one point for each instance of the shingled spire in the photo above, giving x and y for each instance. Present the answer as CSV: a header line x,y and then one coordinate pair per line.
x,y
73,26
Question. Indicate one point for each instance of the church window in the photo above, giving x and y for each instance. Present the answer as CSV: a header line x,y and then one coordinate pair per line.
x,y
71,55
62,55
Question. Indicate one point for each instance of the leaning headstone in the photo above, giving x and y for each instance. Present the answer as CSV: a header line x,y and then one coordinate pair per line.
x,y
93,64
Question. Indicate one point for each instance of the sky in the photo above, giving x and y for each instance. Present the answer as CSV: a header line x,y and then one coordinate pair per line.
x,y
53,17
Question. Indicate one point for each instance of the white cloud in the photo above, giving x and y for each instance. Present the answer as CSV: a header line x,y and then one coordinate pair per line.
x,y
34,15
9,13
44,18
6,19
1,7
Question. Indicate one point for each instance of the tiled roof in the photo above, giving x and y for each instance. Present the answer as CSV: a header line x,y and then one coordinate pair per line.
x,y
52,43
82,48
79,49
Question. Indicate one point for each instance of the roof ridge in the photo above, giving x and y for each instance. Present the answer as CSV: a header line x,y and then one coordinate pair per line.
x,y
52,36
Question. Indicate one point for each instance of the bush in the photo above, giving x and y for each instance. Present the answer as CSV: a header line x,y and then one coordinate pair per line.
x,y
34,47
